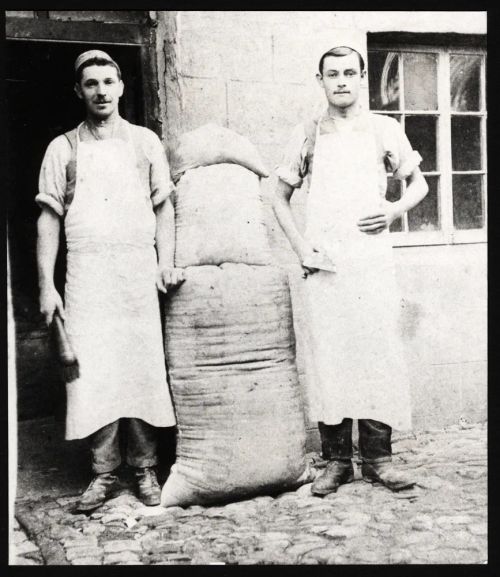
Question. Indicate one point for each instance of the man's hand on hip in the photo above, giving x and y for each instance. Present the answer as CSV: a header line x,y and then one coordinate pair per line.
x,y
379,220
50,303
169,277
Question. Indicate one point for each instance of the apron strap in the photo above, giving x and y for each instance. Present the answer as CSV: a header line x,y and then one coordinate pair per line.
x,y
72,137
379,140
311,130
142,162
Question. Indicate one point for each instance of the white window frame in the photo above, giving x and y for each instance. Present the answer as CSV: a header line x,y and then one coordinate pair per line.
x,y
447,233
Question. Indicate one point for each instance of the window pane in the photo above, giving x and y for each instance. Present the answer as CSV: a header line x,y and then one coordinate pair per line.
x,y
466,143
465,82
421,132
425,216
420,80
383,80
393,194
467,201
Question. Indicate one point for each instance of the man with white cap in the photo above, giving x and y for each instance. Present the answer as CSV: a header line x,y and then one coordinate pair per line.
x,y
355,364
109,182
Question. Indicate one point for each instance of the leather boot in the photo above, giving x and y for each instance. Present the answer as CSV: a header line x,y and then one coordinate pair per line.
x,y
148,489
336,473
101,488
385,474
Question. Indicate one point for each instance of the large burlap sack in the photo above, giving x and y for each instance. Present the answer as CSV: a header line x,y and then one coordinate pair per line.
x,y
230,351
212,144
219,217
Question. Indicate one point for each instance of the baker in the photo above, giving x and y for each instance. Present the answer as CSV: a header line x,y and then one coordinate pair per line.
x,y
108,181
356,367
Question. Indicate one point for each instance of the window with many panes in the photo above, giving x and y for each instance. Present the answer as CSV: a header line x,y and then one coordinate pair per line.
x,y
438,96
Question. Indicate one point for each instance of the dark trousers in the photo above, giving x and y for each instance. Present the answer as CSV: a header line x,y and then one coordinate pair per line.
x,y
141,445
374,441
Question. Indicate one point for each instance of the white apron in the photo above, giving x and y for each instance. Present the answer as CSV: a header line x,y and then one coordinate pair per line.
x,y
112,307
354,355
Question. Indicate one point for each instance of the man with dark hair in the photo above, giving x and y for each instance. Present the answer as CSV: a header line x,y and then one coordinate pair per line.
x,y
355,367
341,51
108,181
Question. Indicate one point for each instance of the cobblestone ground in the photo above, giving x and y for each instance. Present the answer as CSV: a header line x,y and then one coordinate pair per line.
x,y
442,520
23,551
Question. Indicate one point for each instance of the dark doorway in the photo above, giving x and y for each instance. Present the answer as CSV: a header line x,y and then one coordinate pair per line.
x,y
41,105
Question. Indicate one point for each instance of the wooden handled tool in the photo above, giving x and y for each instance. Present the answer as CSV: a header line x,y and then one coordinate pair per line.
x,y
65,354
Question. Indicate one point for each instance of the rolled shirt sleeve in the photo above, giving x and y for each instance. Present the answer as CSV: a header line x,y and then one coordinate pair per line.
x,y
293,166
52,182
399,153
159,176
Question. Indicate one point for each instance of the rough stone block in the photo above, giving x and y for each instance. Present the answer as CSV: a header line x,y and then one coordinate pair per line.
x,y
19,537
120,558
150,540
80,541
125,501
443,395
343,532
93,529
266,112
120,546
445,520
113,518
255,20
82,552
478,529
23,561
296,60
292,59
96,560
445,288
204,100
474,388
211,53
158,512
357,519
400,557
422,523
25,547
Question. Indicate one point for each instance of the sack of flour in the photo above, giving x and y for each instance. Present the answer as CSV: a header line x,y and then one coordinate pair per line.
x,y
219,217
212,144
231,356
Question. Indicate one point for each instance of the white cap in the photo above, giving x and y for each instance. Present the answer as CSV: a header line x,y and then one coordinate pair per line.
x,y
89,54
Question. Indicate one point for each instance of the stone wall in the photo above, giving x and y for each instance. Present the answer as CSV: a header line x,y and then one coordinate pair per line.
x,y
248,72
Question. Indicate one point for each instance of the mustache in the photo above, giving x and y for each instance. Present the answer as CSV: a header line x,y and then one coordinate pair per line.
x,y
101,100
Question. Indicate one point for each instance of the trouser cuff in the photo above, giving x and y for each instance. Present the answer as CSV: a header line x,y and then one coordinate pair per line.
x,y
142,463
376,460
340,459
100,468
